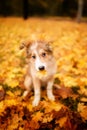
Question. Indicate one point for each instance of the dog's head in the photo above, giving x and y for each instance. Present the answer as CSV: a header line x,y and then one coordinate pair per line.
x,y
39,54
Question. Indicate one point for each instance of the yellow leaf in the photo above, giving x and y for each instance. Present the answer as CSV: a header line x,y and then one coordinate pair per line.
x,y
82,109
12,82
10,102
37,116
1,87
30,107
40,74
20,128
56,106
2,106
61,121
52,106
47,118
10,93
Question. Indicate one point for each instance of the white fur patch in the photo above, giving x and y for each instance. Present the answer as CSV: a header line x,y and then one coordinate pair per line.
x,y
34,46
38,63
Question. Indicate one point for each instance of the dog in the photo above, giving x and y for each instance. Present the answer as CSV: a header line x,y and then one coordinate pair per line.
x,y
41,69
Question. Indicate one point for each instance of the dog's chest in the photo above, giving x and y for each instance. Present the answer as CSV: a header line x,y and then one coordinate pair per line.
x,y
44,82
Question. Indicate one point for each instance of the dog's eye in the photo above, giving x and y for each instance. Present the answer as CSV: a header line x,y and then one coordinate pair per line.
x,y
34,57
43,54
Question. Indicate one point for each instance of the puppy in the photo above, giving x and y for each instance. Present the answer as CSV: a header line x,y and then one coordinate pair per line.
x,y
41,69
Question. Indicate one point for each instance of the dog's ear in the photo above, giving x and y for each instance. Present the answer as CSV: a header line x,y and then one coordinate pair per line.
x,y
49,47
24,45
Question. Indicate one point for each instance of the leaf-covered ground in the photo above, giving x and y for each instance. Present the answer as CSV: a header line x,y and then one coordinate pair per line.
x,y
69,111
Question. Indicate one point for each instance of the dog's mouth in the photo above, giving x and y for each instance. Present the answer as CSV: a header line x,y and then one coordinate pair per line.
x,y
41,73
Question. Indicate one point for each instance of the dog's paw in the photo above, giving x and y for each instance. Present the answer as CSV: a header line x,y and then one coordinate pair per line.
x,y
25,93
35,102
51,97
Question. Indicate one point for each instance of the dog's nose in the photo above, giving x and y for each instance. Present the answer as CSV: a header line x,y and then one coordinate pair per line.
x,y
41,68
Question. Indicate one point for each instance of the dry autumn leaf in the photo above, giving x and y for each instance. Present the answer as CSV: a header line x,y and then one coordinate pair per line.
x,y
82,110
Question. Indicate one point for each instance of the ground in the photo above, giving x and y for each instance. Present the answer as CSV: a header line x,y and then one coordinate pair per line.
x,y
69,43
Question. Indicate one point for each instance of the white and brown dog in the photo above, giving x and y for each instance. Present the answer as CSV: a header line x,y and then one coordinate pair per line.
x,y
41,69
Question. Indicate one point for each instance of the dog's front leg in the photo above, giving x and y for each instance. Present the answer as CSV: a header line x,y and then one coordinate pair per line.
x,y
50,90
27,84
37,95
